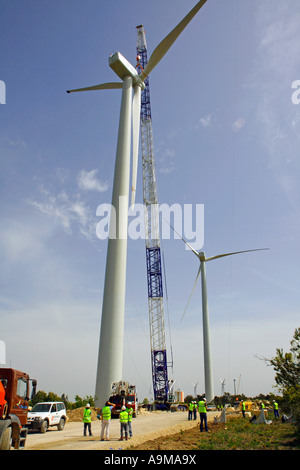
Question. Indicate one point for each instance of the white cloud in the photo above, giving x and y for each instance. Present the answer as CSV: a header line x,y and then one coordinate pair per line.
x,y
70,211
238,124
87,181
206,121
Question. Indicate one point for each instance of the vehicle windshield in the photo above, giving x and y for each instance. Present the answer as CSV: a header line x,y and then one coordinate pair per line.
x,y
41,407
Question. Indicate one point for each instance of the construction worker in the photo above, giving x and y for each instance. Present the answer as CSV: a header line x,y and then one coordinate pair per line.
x,y
123,423
87,419
130,414
106,417
276,411
203,414
243,408
191,407
195,410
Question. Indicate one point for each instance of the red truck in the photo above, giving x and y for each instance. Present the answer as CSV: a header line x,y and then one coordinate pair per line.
x,y
123,394
14,400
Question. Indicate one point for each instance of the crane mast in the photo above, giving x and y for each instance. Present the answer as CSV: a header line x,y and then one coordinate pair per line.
x,y
153,252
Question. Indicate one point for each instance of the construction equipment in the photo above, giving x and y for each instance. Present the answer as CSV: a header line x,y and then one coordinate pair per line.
x,y
14,401
153,253
123,394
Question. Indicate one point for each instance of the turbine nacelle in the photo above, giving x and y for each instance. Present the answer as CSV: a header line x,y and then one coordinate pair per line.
x,y
123,68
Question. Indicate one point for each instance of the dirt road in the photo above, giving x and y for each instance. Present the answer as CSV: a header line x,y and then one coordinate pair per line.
x,y
145,427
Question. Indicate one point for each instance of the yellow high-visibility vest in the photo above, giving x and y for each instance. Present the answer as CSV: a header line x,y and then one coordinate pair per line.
x,y
201,407
87,415
130,413
106,412
123,417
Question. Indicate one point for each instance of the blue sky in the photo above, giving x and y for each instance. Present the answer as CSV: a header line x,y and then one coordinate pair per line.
x,y
226,135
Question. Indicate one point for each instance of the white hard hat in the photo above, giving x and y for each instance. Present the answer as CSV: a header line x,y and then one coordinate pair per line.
x,y
87,405
123,408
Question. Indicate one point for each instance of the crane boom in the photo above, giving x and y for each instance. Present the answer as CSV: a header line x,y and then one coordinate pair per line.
x,y
153,252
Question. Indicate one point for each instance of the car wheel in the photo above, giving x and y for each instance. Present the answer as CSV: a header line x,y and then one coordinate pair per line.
x,y
5,442
44,426
61,424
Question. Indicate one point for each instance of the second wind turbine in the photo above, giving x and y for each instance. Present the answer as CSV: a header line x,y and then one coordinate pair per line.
x,y
208,375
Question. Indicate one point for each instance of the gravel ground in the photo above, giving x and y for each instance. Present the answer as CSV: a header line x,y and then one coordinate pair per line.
x,y
145,427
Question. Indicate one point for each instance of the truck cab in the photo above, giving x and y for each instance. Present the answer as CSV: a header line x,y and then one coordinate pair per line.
x,y
14,401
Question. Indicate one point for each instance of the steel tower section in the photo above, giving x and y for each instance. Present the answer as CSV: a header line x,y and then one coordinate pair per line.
x,y
153,252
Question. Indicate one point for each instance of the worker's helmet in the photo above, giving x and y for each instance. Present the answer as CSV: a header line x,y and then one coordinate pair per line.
x,y
88,405
123,408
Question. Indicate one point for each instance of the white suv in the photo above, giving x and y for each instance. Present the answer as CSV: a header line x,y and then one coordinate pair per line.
x,y
47,414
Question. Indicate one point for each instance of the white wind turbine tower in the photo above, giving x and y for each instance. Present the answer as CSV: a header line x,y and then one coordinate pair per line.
x,y
208,376
110,357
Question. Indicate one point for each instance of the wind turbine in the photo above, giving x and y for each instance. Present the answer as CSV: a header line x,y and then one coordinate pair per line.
x,y
110,356
209,387
223,386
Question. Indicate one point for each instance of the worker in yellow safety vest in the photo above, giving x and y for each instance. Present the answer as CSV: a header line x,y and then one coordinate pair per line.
x,y
123,423
191,407
195,410
276,411
129,410
243,408
106,417
87,420
203,414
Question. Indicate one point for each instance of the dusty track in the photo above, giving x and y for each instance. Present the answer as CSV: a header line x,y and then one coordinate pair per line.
x,y
145,427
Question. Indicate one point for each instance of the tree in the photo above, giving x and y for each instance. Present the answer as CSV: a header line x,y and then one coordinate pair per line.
x,y
287,365
287,368
39,397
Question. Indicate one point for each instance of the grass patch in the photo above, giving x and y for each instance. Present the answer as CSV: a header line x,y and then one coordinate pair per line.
x,y
239,434
236,434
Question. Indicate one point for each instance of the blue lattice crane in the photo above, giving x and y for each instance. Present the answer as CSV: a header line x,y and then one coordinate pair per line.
x,y
153,251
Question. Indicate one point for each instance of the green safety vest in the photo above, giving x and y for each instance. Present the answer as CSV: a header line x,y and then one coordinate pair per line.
x,y
276,405
243,405
87,416
123,417
130,413
262,406
191,406
106,412
201,407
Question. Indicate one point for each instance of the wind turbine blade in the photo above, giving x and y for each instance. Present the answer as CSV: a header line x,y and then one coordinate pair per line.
x,y
103,86
166,43
190,247
197,277
136,112
234,253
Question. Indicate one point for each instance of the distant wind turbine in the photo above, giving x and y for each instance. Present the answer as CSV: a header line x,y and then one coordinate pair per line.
x,y
208,376
110,356
223,386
